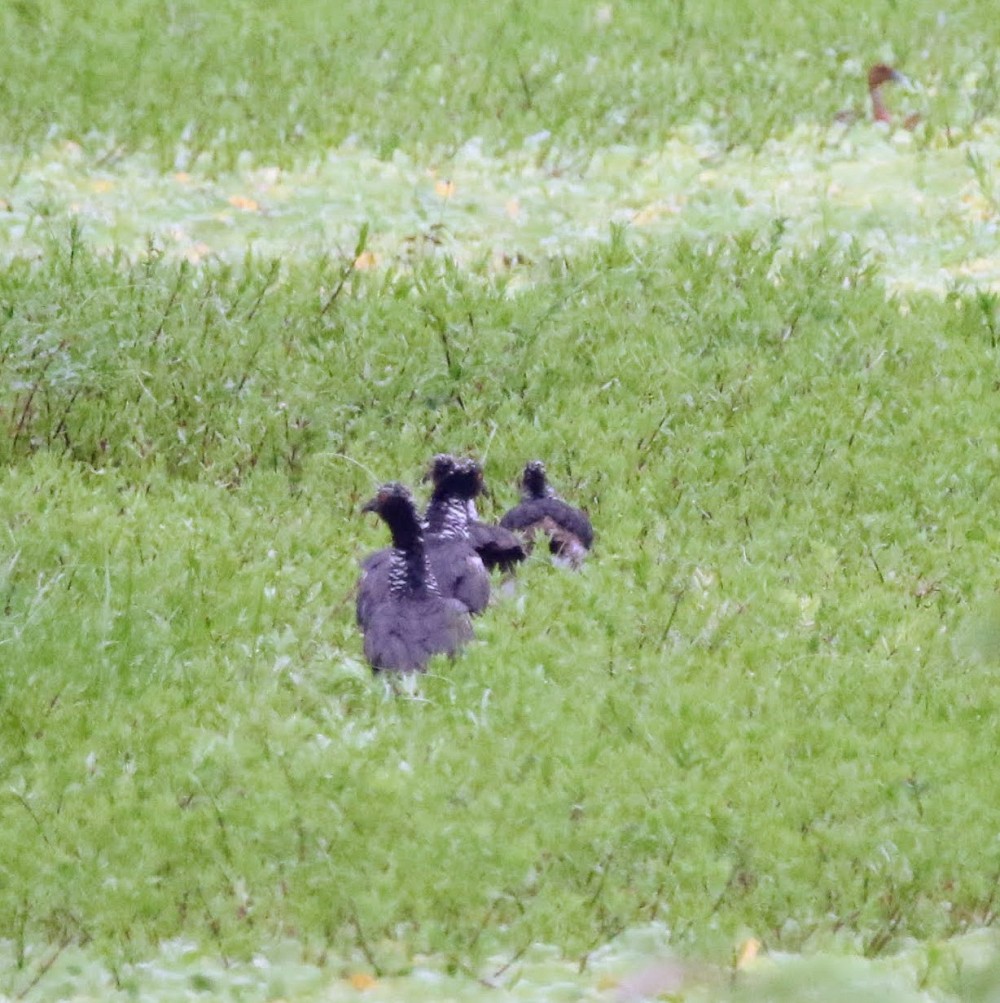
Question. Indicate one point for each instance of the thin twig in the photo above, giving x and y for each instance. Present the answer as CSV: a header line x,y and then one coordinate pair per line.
x,y
368,470
268,282
33,391
878,570
181,272
34,818
678,597
347,269
514,959
363,944
45,966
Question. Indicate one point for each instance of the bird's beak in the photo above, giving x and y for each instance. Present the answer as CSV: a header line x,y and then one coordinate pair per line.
x,y
902,79
370,506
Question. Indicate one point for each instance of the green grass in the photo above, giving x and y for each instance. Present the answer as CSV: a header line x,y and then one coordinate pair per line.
x,y
290,81
766,707
759,708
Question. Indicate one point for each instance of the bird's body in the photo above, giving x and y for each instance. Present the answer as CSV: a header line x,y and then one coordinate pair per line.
x,y
404,618
459,569
404,636
541,510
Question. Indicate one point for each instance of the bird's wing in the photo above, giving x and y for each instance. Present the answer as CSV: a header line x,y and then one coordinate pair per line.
x,y
460,573
498,547
373,585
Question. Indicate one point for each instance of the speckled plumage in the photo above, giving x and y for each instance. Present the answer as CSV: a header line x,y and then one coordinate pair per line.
x,y
457,569
497,547
404,618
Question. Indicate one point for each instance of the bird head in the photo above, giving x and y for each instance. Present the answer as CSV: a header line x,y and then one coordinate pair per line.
x,y
463,480
391,497
441,466
881,74
394,505
534,481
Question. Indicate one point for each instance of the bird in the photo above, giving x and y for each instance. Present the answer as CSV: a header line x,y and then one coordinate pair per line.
x,y
457,568
497,547
460,571
404,618
878,76
542,510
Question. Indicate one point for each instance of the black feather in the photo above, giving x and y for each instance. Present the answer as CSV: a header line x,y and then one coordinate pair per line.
x,y
541,510
404,618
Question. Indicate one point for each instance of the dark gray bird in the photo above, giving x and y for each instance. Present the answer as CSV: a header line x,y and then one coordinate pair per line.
x,y
458,570
541,510
497,547
404,618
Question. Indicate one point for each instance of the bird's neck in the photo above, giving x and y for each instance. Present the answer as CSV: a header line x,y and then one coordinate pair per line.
x,y
448,517
879,111
409,572
533,492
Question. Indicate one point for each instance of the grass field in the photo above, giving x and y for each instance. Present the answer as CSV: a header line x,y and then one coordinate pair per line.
x,y
257,262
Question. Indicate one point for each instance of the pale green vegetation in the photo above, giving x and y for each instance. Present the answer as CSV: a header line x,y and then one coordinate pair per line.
x,y
514,212
291,80
766,708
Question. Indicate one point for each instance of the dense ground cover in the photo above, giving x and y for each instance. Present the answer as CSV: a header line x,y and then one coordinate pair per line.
x,y
767,707
286,81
